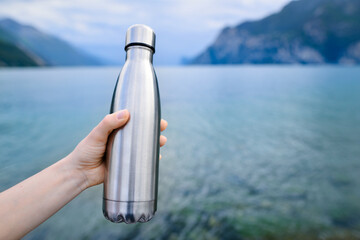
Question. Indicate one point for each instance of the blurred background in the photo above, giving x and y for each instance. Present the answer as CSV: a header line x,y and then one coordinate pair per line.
x,y
262,99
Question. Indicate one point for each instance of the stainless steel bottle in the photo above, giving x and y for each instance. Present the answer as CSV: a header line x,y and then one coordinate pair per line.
x,y
132,155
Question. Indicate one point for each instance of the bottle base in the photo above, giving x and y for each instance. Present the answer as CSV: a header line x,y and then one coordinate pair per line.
x,y
128,212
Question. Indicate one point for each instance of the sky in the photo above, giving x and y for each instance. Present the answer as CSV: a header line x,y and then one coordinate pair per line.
x,y
183,28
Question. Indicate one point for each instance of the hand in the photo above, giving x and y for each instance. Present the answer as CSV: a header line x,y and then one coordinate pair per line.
x,y
88,154
38,197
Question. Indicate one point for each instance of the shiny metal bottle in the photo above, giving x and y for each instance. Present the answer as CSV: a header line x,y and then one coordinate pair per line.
x,y
132,155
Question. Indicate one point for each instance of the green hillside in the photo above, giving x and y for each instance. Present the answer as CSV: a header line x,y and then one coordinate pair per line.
x,y
42,48
11,55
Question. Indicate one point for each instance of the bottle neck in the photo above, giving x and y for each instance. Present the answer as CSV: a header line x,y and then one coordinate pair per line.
x,y
139,53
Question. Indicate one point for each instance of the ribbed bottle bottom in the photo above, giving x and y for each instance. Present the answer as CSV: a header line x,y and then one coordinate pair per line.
x,y
128,212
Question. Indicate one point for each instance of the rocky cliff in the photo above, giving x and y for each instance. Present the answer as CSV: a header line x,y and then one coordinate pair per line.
x,y
303,32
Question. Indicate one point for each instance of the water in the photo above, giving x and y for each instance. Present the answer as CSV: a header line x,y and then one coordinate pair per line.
x,y
252,153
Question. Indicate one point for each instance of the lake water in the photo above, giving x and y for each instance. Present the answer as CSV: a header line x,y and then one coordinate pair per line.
x,y
253,152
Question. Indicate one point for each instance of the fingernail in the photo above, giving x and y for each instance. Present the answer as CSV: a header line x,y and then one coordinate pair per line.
x,y
121,115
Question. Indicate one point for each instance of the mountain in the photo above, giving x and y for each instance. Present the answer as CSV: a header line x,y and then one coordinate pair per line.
x,y
41,48
11,55
303,32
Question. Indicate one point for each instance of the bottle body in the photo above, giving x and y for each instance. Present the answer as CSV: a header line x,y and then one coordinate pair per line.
x,y
132,155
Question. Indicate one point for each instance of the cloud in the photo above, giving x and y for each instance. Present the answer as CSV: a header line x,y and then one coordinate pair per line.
x,y
184,27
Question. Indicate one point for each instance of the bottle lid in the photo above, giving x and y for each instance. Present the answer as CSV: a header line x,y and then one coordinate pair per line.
x,y
140,35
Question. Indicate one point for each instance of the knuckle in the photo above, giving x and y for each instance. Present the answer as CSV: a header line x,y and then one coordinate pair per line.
x,y
96,135
107,120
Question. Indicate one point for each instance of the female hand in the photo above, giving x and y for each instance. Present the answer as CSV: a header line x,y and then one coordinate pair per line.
x,y
38,197
87,157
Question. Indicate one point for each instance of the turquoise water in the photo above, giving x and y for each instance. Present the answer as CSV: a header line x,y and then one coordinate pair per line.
x,y
259,152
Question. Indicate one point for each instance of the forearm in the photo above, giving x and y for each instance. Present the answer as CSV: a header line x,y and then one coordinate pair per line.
x,y
29,203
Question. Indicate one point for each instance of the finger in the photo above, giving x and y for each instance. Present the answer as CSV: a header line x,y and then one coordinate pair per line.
x,y
108,124
163,140
163,124
160,156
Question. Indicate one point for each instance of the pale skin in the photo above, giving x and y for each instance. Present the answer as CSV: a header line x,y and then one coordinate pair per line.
x,y
29,203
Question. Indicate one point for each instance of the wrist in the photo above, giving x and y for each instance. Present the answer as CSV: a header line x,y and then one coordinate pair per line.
x,y
72,173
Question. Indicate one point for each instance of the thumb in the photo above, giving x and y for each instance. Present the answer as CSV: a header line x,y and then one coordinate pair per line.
x,y
109,123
